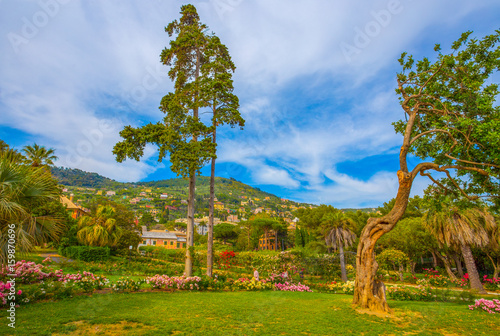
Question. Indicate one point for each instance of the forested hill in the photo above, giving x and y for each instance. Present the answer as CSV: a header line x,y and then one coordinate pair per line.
x,y
80,178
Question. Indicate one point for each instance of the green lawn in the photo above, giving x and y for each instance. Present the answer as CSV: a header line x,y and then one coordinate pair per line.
x,y
241,313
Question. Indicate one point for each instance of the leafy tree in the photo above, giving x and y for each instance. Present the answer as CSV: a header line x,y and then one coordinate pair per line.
x,y
338,234
100,229
38,156
218,88
22,190
410,237
452,123
395,259
225,231
147,220
182,134
124,219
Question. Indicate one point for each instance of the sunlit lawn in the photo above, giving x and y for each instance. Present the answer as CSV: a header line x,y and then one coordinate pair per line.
x,y
241,313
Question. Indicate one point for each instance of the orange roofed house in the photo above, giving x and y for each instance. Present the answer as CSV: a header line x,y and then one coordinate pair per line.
x,y
76,210
163,238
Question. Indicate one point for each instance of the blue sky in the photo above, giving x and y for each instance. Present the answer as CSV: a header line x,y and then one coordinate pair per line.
x,y
315,80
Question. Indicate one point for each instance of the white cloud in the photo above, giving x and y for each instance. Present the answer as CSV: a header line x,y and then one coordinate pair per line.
x,y
94,61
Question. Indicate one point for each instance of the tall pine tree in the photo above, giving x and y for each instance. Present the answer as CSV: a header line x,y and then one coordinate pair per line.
x,y
181,133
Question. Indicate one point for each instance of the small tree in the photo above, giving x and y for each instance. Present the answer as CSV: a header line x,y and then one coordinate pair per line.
x,y
100,229
395,259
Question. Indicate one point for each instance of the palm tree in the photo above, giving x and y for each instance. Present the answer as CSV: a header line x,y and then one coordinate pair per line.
x,y
462,228
21,189
99,230
38,156
339,234
3,146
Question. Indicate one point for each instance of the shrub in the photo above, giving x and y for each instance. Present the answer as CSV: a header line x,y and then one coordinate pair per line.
x,y
86,253
127,285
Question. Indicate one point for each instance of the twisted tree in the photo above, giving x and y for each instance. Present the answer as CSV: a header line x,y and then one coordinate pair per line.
x,y
452,124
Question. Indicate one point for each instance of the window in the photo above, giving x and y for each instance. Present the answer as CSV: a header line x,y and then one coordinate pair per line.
x,y
144,242
178,245
184,245
171,243
154,242
165,242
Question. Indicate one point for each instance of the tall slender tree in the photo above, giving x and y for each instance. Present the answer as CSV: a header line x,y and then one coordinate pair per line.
x,y
451,122
181,134
217,83
339,234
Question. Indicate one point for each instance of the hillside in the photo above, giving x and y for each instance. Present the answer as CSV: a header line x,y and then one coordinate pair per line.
x,y
168,197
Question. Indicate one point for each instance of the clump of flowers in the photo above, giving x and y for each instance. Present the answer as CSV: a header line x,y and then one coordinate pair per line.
x,y
175,282
491,284
404,293
252,284
227,259
5,291
490,306
27,272
127,285
289,287
86,281
341,287
435,279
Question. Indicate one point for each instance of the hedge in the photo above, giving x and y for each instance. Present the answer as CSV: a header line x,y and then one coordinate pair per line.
x,y
86,253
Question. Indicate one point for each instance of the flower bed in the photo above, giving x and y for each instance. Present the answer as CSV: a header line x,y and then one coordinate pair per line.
x,y
490,306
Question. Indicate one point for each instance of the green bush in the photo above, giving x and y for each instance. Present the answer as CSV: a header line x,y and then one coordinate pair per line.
x,y
86,253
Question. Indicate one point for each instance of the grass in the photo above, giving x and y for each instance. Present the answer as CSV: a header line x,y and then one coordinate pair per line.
x,y
241,313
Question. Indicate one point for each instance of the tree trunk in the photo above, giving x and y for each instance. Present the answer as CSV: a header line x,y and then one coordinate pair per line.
x,y
265,239
188,268
458,263
368,292
342,263
434,260
496,266
413,264
475,281
276,240
447,265
210,238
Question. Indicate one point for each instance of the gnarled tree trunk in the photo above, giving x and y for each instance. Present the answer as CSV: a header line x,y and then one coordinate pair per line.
x,y
369,293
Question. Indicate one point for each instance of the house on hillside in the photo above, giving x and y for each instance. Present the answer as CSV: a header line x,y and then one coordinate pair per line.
x,y
163,238
76,210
